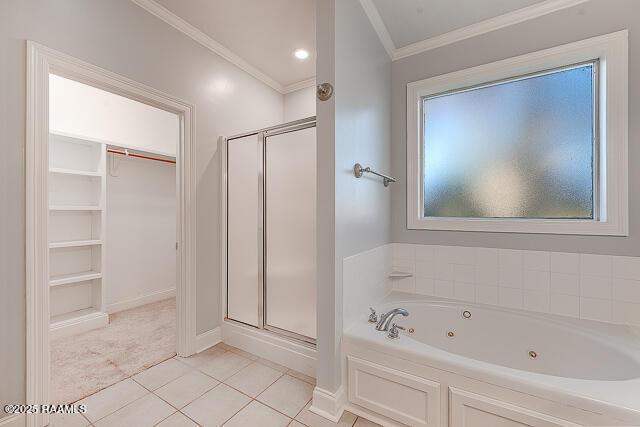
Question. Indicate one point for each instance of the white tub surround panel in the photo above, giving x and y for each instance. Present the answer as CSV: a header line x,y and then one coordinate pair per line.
x,y
586,286
365,282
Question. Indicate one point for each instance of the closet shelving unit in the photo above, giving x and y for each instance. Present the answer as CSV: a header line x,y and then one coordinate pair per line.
x,y
77,223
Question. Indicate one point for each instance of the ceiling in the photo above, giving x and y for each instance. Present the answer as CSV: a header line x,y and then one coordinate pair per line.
x,y
264,33
260,36
411,21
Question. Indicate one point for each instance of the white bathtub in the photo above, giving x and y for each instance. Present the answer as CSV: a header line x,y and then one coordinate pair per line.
x,y
590,366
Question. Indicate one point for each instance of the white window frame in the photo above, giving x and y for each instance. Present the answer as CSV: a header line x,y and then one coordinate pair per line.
x,y
612,52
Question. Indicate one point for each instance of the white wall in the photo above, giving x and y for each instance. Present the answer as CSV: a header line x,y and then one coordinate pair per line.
x,y
300,104
361,207
83,110
123,38
141,230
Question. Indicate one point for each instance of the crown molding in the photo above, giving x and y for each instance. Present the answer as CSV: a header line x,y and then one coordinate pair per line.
x,y
183,26
372,13
299,85
517,16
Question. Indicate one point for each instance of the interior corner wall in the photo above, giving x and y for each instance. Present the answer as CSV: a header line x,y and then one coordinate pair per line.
x,y
590,19
141,231
123,38
362,135
300,104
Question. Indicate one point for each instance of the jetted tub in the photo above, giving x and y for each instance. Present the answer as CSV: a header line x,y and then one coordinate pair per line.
x,y
588,365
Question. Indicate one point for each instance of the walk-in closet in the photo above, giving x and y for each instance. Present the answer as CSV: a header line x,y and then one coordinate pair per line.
x,y
112,237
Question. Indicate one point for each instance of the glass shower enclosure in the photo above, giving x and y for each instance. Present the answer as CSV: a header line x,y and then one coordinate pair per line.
x,y
271,229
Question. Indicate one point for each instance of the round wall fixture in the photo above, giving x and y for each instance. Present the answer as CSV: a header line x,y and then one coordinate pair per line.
x,y
324,91
466,314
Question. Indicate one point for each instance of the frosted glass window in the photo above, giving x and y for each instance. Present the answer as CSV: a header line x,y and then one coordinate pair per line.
x,y
520,148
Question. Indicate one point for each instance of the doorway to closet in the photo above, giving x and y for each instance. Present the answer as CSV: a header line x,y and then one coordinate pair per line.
x,y
112,237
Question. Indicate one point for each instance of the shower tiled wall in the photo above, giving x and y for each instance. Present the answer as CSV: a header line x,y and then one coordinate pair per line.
x,y
596,287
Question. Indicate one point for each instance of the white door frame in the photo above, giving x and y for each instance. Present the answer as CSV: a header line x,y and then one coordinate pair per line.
x,y
40,62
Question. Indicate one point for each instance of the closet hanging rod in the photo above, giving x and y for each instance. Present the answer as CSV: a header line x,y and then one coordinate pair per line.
x,y
127,153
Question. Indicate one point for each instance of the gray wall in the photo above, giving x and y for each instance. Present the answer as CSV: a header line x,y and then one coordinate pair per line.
x,y
121,37
590,19
362,130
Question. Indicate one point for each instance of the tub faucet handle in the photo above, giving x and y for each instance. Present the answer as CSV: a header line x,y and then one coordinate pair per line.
x,y
393,332
373,317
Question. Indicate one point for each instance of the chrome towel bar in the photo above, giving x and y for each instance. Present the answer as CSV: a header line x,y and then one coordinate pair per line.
x,y
358,171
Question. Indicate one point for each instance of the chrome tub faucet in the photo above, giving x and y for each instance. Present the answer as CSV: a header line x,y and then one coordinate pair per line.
x,y
386,318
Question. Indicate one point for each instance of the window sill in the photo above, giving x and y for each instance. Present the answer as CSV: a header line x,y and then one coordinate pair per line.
x,y
532,226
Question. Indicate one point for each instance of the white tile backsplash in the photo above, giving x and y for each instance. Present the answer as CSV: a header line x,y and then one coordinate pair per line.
x,y
425,285
562,262
464,292
626,290
595,309
536,260
597,287
510,297
510,268
625,267
487,295
534,280
464,273
535,301
566,305
564,283
444,288
596,265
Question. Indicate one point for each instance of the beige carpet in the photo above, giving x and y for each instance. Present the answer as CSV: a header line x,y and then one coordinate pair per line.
x,y
134,340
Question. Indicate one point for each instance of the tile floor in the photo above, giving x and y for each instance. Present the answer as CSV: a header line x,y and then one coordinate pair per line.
x,y
220,386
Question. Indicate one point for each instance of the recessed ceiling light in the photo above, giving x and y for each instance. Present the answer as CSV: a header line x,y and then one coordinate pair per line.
x,y
301,54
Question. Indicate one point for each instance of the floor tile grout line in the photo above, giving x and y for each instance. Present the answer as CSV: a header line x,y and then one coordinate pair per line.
x,y
261,364
123,406
87,419
196,423
266,404
303,408
191,401
274,409
251,397
170,415
237,412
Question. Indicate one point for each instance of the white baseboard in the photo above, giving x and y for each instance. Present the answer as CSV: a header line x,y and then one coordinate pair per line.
x,y
16,420
79,324
208,339
141,300
328,405
299,357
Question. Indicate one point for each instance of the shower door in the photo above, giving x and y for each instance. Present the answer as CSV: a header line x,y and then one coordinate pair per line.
x,y
271,229
244,232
